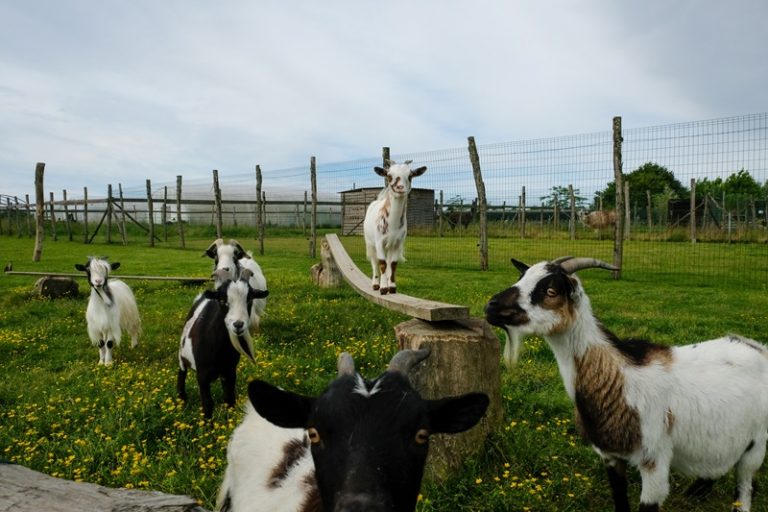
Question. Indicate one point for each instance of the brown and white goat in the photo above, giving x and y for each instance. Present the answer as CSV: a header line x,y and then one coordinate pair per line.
x,y
701,408
360,445
598,220
386,224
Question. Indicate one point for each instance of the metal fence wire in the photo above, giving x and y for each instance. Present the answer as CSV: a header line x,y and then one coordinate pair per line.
x,y
703,182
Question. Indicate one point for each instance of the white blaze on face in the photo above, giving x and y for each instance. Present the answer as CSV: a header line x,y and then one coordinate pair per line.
x,y
225,260
238,318
99,272
399,178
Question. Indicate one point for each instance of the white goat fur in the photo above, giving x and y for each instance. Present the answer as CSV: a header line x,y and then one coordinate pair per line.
x,y
106,316
702,408
386,224
256,439
233,266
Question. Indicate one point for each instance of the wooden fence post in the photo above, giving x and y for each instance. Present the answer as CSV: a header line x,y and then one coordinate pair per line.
x,y
627,212
618,239
164,215
39,211
521,212
572,220
29,215
313,226
179,220
217,202
482,206
66,215
53,220
693,210
123,232
259,211
441,224
18,220
85,215
150,214
108,213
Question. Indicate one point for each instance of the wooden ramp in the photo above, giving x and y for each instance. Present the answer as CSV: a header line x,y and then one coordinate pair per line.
x,y
418,308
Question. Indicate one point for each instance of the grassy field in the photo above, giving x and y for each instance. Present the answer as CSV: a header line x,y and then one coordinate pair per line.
x,y
62,414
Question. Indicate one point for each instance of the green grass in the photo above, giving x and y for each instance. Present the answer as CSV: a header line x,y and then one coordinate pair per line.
x,y
62,414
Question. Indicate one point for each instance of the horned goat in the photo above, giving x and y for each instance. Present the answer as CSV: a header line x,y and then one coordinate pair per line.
x,y
216,333
111,308
233,260
361,445
386,224
700,409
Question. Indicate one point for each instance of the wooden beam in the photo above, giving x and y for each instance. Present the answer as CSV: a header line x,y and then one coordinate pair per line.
x,y
9,271
413,306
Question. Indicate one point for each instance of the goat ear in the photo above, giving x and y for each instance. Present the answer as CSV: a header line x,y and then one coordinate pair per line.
x,y
80,266
278,406
380,171
115,265
419,171
258,294
211,250
457,414
239,251
519,265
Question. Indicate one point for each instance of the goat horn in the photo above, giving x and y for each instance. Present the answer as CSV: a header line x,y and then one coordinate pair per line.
x,y
404,361
408,162
561,259
345,364
571,265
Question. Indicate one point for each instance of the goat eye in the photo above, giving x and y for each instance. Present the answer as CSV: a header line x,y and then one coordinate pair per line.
x,y
314,435
422,436
551,292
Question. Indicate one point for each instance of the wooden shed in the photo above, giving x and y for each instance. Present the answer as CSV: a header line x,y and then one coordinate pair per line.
x,y
354,202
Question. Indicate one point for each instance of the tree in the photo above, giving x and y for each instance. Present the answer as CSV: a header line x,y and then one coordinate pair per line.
x,y
656,179
561,197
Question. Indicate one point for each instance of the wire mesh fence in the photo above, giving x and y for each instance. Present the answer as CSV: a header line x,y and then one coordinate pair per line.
x,y
704,182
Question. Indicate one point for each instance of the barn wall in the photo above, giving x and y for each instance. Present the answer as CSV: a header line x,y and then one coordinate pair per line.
x,y
420,208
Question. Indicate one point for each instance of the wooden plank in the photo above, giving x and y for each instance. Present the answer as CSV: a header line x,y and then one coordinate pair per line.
x,y
428,310
199,280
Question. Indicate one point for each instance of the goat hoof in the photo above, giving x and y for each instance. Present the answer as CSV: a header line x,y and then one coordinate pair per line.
x,y
393,290
375,287
384,291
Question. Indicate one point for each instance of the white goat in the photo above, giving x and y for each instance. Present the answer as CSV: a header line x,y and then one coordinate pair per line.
x,y
700,409
233,260
386,224
360,445
111,308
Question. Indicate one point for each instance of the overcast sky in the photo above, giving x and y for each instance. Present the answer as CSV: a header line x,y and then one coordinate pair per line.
x,y
108,91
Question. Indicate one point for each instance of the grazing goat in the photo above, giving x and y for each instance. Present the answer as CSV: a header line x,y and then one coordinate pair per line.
x,y
111,308
233,260
360,445
215,333
598,220
386,224
700,409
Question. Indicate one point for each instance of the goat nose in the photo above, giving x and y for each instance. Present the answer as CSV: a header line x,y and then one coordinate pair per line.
x,y
239,325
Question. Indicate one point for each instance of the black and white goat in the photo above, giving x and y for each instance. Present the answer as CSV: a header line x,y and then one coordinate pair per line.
x,y
360,445
111,308
700,409
215,333
229,261
386,224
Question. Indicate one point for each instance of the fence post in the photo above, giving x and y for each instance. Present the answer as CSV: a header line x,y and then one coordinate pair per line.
x,y
522,213
85,214
627,212
572,220
150,214
18,220
259,211
123,231
441,211
650,211
693,210
313,227
618,239
29,216
53,220
109,214
482,206
217,202
66,215
39,211
179,221
164,215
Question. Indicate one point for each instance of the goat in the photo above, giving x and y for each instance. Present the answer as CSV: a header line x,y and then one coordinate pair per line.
x,y
598,219
361,445
700,409
233,259
216,332
386,224
111,308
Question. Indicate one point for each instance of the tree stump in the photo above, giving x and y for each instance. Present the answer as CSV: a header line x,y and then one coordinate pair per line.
x,y
24,490
326,274
56,287
464,359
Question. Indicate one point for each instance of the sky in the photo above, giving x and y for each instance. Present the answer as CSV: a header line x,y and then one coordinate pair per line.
x,y
114,91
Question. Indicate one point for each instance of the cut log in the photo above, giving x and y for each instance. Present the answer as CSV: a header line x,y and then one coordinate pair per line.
x,y
56,287
464,359
326,274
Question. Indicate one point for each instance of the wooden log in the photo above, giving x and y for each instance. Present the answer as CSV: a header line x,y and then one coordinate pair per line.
x,y
56,287
418,308
24,490
464,359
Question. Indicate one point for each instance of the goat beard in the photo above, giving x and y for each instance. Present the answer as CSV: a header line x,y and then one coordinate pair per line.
x,y
243,344
511,347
